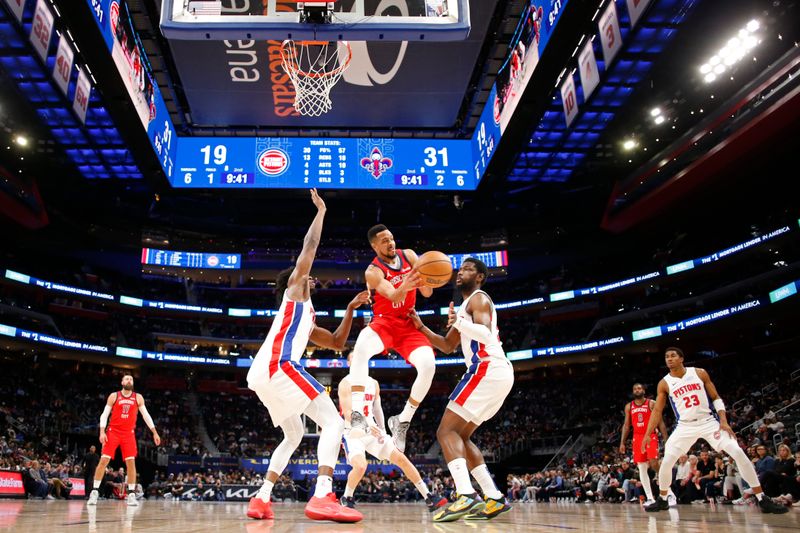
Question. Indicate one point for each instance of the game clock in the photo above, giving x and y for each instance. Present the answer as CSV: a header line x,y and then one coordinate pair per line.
x,y
341,163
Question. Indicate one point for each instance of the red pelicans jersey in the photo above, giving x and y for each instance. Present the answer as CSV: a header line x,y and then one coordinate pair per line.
x,y
124,413
383,306
640,417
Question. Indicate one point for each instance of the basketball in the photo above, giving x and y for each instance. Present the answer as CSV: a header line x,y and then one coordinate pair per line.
x,y
435,269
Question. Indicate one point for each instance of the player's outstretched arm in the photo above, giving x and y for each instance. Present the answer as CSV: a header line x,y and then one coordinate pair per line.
x,y
148,419
719,405
104,416
662,427
446,344
298,280
480,329
377,282
337,340
412,257
656,415
625,426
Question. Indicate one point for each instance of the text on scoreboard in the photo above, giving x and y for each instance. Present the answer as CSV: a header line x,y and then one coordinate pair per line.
x,y
342,163
171,258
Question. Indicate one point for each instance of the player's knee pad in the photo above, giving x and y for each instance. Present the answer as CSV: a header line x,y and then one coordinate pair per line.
x,y
424,362
368,344
293,431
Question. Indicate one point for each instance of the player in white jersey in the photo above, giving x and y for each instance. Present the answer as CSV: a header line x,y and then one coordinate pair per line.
x,y
377,443
477,398
692,396
288,391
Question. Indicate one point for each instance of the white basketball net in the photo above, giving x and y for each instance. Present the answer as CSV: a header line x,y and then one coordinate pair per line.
x,y
314,68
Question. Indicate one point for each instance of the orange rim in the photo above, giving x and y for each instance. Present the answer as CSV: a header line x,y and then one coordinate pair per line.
x,y
289,55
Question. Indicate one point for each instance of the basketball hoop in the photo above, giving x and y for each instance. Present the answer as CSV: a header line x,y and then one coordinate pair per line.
x,y
314,68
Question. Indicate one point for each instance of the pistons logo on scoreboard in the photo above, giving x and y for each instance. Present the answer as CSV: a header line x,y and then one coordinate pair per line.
x,y
213,260
273,161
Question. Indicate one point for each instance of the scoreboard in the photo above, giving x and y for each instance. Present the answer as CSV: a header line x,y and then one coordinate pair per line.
x,y
172,258
341,163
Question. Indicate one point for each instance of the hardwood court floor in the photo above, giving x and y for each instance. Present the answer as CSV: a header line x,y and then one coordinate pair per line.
x,y
189,517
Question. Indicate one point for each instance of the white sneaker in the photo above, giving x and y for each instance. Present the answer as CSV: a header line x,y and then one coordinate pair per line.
x,y
650,502
93,496
672,500
132,499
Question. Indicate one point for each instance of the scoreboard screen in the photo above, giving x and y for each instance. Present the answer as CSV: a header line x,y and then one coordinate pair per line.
x,y
496,259
171,258
341,163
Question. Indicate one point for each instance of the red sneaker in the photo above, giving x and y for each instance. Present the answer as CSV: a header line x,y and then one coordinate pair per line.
x,y
259,510
329,508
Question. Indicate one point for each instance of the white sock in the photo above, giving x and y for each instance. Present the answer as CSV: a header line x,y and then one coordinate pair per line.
x,y
759,495
324,486
348,492
96,483
484,479
358,401
458,469
265,492
644,477
422,488
131,488
407,413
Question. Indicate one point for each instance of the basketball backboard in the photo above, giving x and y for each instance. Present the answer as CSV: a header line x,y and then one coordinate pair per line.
x,y
348,20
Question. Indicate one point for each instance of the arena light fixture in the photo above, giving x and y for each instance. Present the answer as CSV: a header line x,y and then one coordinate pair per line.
x,y
629,144
659,119
655,112
732,52
21,140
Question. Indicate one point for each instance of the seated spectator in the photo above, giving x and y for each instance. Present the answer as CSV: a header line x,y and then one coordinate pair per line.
x,y
782,479
37,486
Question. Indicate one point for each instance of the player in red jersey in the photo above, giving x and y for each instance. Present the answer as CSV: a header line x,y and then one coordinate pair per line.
x,y
123,406
395,282
637,413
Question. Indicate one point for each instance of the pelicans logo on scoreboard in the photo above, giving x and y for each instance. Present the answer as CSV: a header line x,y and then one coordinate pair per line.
x,y
273,161
376,164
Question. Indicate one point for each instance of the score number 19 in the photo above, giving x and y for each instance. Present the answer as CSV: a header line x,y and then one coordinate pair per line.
x,y
220,155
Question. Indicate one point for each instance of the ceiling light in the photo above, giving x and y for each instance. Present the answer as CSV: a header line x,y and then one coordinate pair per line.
x,y
750,42
714,60
730,60
752,26
733,42
659,119
629,144
655,112
710,77
705,68
719,69
21,140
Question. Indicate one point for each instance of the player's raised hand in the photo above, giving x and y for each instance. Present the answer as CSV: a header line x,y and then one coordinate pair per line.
x,y
413,280
360,299
317,199
415,319
451,315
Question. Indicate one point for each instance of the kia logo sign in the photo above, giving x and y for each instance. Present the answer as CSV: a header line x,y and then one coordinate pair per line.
x,y
273,161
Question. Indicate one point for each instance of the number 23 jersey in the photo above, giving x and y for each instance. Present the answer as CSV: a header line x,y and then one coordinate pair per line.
x,y
688,396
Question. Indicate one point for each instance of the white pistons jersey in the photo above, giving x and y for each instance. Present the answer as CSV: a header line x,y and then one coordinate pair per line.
x,y
474,351
286,341
688,396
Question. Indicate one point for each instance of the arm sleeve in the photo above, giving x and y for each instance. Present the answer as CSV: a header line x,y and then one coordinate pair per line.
x,y
104,417
147,418
378,411
478,332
